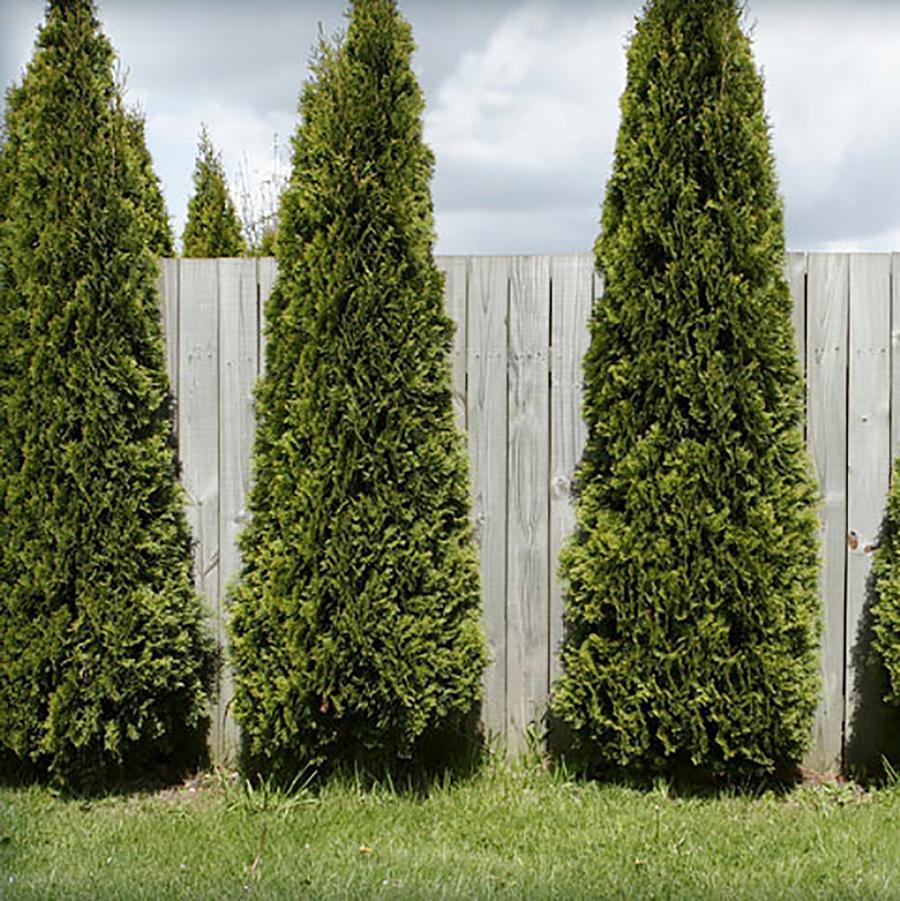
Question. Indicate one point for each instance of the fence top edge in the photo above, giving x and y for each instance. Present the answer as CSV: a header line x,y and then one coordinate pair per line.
x,y
569,254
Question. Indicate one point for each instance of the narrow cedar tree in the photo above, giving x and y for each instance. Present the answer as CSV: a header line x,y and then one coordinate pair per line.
x,y
886,606
356,632
103,659
213,228
147,193
692,610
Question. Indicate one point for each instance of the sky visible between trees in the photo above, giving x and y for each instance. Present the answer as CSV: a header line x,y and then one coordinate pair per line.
x,y
522,106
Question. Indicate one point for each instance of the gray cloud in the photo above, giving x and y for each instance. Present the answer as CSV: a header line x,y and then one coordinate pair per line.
x,y
859,197
522,104
491,186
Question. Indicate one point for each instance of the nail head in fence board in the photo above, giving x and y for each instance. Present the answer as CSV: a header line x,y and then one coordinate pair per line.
x,y
827,325
528,446
266,273
198,429
795,274
572,278
454,269
868,461
238,364
488,286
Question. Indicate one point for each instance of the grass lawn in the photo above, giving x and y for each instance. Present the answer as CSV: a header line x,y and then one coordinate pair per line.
x,y
520,833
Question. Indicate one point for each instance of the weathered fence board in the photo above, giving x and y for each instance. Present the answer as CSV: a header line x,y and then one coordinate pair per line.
x,y
527,548
795,274
827,316
198,433
455,288
267,271
572,295
486,405
168,295
517,357
868,451
895,355
238,367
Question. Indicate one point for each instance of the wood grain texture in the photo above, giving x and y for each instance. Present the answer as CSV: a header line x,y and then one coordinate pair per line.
x,y
238,366
827,354
497,366
572,294
795,275
486,406
528,500
168,307
895,356
454,269
266,274
868,451
198,430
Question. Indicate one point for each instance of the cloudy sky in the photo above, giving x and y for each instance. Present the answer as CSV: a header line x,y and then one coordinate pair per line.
x,y
522,105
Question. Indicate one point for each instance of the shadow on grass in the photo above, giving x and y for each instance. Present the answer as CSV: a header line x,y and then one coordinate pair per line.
x,y
91,777
453,753
679,777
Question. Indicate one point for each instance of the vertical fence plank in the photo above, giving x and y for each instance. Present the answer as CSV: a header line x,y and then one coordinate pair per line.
x,y
528,466
168,298
488,280
454,269
238,365
498,364
266,273
827,331
572,294
868,475
795,274
198,428
895,356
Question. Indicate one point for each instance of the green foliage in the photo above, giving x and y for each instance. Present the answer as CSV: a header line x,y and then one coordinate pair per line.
x,y
267,246
103,660
886,607
147,194
692,610
356,632
213,228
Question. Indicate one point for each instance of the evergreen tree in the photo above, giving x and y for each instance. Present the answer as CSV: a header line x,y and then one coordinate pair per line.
x,y
886,607
267,246
103,659
356,632
213,228
147,197
692,609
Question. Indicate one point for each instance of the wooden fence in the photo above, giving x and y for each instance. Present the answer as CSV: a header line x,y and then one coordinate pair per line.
x,y
521,333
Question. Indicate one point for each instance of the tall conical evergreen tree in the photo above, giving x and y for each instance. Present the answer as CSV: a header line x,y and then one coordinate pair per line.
x,y
356,631
148,196
103,658
213,228
692,611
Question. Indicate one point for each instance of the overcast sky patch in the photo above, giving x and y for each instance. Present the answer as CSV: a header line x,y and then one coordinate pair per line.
x,y
522,105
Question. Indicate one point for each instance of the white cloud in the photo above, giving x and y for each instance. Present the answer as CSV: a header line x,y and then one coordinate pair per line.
x,y
541,94
550,230
537,105
831,78
523,104
524,129
832,84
